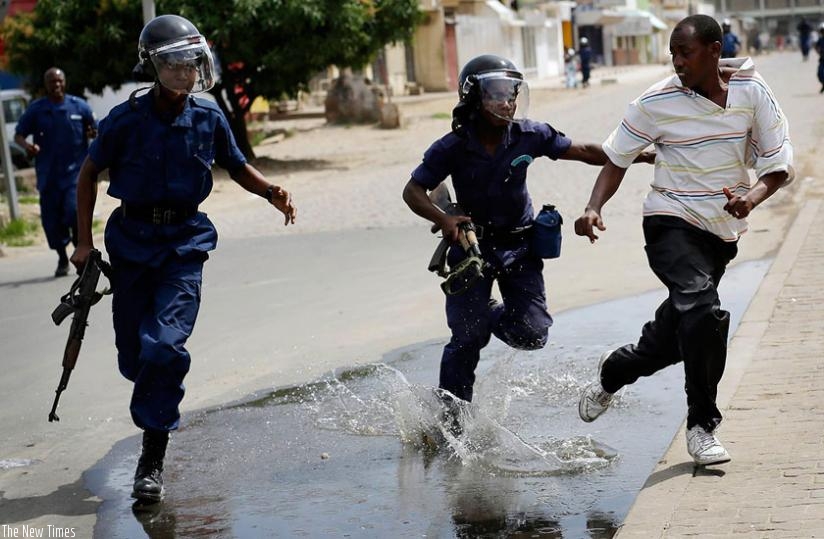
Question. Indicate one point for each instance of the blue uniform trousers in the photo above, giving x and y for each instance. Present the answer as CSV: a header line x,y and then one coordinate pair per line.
x,y
154,311
58,213
522,321
689,325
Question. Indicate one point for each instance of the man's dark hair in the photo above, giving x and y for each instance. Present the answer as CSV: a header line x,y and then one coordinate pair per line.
x,y
706,28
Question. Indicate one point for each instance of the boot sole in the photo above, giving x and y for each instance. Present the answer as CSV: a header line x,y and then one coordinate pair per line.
x,y
147,496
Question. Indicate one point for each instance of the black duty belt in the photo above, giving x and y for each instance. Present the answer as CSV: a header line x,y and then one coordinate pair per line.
x,y
158,215
489,232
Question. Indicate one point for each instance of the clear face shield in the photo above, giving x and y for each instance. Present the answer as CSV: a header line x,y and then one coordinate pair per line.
x,y
504,96
185,66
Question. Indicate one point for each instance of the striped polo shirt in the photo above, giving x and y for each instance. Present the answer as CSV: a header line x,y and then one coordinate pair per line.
x,y
702,148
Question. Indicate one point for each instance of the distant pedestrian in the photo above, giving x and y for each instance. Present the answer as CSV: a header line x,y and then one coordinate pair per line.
x,y
585,55
61,126
805,31
819,48
730,44
763,41
693,216
570,69
159,149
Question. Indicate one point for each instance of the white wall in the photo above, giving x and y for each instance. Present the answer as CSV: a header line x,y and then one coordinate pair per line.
x,y
102,104
482,35
478,35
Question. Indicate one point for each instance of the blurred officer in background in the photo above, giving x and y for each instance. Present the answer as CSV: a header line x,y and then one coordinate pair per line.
x,y
61,126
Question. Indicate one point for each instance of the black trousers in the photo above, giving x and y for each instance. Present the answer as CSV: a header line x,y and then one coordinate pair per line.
x,y
689,325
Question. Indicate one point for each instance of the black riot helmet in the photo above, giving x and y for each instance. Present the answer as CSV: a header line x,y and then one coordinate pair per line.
x,y
172,51
492,83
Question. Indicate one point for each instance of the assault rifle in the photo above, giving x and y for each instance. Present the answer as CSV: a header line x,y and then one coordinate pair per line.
x,y
78,301
461,277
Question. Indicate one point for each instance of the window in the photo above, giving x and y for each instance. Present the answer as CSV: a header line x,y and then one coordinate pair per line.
x,y
528,40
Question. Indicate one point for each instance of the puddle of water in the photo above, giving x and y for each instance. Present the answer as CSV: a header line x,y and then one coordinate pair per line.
x,y
367,451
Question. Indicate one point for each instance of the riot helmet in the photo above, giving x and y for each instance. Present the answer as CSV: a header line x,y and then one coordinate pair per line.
x,y
494,84
174,53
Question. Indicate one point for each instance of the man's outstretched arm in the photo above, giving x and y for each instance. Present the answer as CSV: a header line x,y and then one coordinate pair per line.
x,y
609,179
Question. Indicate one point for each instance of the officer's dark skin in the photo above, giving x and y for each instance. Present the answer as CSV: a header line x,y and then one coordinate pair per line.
x,y
490,131
168,103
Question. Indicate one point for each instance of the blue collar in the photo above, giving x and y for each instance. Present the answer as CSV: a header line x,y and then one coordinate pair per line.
x,y
184,119
474,143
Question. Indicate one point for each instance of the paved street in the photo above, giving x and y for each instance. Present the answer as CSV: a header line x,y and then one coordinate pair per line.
x,y
348,283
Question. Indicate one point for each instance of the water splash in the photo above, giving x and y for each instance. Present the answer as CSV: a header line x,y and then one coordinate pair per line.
x,y
378,400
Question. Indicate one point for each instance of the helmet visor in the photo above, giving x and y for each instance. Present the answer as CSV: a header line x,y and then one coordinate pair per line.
x,y
504,96
185,66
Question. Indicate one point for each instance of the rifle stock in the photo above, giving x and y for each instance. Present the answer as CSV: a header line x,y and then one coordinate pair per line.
x,y
78,301
461,277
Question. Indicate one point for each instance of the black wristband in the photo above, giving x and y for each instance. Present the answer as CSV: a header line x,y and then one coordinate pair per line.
x,y
269,192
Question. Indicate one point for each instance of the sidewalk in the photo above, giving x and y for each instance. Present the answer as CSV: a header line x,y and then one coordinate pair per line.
x,y
772,396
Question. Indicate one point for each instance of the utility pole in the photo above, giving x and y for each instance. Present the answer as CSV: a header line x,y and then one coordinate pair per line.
x,y
148,10
8,170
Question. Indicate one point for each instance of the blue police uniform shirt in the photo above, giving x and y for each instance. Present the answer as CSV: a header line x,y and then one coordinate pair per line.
x,y
165,162
60,131
491,188
586,56
729,42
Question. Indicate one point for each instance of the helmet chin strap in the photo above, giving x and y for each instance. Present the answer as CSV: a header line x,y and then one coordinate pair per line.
x,y
133,95
511,120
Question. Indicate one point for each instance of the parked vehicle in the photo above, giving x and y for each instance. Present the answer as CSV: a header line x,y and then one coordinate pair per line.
x,y
14,104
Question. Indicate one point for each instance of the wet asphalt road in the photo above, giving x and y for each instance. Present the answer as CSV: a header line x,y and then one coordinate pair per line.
x,y
360,452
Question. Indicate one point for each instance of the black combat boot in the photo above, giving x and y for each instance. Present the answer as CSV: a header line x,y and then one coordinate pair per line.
x,y
148,481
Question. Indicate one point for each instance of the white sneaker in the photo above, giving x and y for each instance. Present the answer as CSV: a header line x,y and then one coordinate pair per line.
x,y
704,447
594,400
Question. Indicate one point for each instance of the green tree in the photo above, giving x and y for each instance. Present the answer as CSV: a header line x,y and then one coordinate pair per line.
x,y
268,48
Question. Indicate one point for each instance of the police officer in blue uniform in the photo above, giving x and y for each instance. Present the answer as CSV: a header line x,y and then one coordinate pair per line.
x,y
730,44
585,54
487,154
159,148
60,126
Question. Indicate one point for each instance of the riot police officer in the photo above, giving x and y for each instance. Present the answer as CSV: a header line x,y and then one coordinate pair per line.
x,y
730,44
159,148
487,155
61,126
